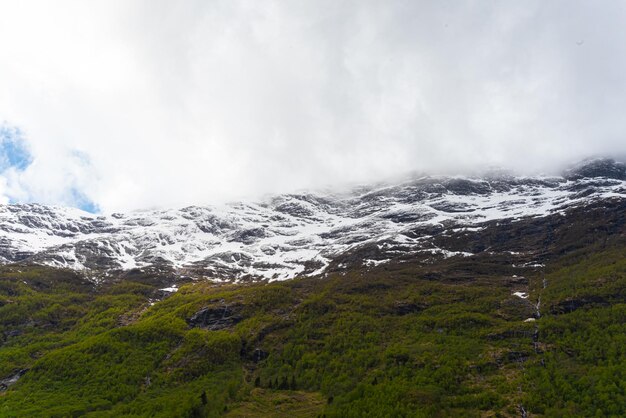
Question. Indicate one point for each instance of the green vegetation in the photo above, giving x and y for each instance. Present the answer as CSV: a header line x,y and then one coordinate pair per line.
x,y
583,370
386,342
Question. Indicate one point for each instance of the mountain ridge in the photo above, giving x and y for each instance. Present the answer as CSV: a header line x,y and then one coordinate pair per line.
x,y
290,235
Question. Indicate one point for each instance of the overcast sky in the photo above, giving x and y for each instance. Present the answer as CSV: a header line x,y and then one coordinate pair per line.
x,y
116,105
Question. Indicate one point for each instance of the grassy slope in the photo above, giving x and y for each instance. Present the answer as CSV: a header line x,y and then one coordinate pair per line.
x,y
390,341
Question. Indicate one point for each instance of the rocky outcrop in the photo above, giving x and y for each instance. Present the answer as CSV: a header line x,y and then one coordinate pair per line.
x,y
600,167
405,308
570,305
11,380
216,318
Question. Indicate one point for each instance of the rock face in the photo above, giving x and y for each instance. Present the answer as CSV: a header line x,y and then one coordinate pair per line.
x,y
310,233
216,318
259,355
572,304
606,168
5,383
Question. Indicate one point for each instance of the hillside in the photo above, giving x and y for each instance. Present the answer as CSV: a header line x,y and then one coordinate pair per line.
x,y
384,342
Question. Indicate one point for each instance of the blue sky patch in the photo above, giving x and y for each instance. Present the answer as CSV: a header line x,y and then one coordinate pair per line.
x,y
14,152
83,202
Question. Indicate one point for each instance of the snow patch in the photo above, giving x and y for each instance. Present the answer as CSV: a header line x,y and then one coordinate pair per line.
x,y
275,239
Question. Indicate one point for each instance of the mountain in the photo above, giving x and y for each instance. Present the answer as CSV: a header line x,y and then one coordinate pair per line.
x,y
309,233
491,296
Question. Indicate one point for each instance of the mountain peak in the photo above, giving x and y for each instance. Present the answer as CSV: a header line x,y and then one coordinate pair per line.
x,y
597,167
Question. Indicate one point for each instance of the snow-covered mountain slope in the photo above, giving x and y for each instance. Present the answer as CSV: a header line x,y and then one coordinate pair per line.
x,y
296,234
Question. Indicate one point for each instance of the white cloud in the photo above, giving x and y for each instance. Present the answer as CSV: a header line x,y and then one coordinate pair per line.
x,y
174,103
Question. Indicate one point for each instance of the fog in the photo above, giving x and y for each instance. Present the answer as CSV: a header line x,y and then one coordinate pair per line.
x,y
118,105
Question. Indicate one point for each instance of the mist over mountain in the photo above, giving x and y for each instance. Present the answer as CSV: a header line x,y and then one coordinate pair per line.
x,y
285,236
314,208
129,106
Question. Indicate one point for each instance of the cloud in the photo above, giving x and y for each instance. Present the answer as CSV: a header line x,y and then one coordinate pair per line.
x,y
21,175
132,104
